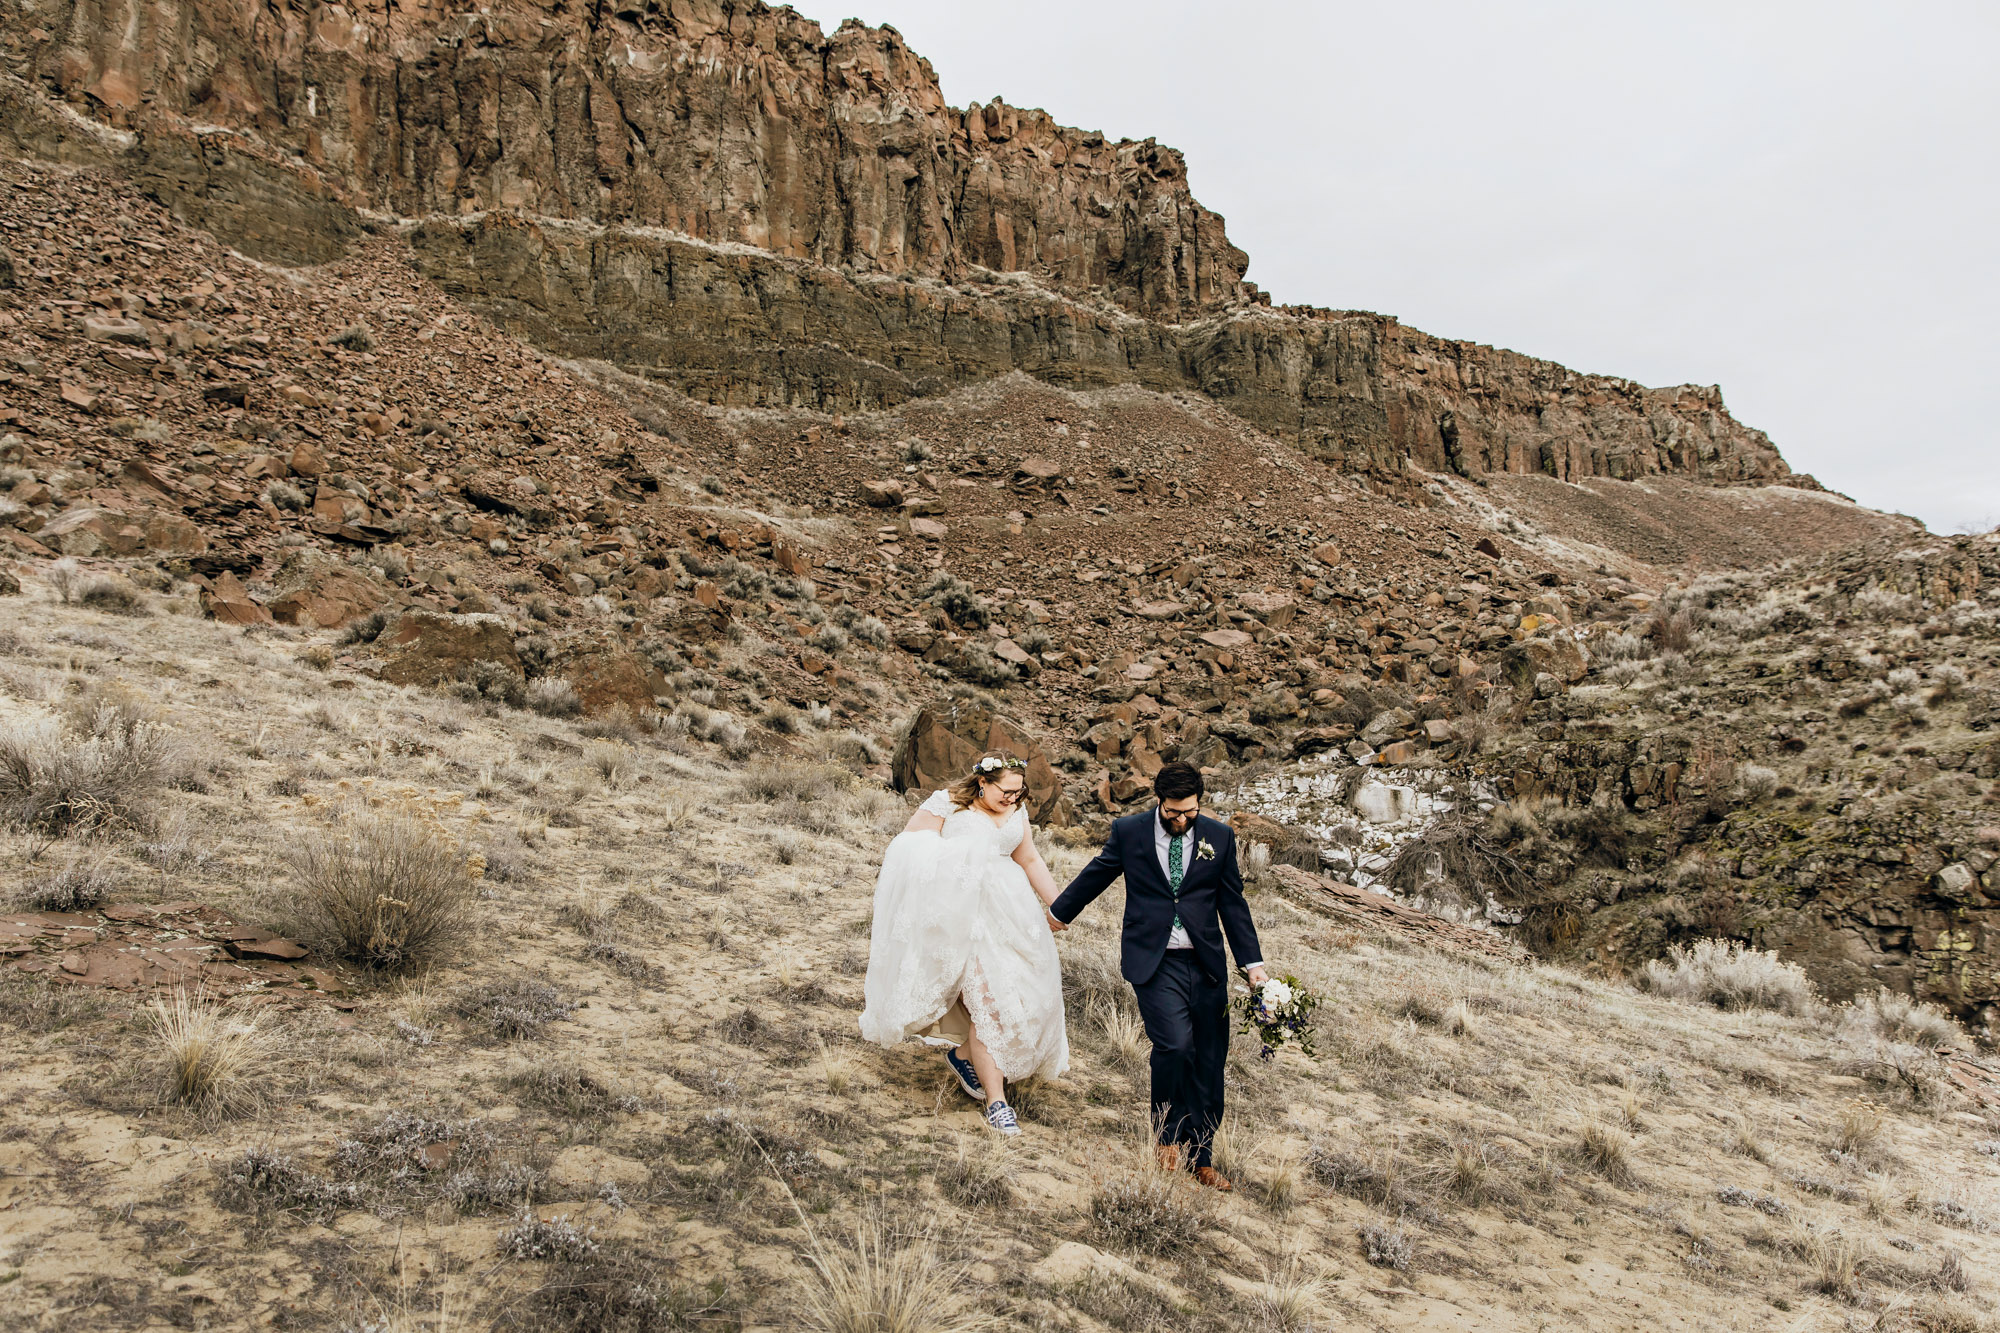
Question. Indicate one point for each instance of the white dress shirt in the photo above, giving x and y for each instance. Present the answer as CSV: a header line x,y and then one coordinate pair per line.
x,y
1178,939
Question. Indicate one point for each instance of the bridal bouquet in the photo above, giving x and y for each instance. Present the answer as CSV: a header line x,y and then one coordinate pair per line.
x,y
1280,1013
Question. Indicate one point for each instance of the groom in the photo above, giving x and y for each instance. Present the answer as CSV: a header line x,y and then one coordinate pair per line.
x,y
1181,878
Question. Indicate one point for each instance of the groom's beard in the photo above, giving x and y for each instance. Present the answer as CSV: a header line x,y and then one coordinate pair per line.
x,y
1175,832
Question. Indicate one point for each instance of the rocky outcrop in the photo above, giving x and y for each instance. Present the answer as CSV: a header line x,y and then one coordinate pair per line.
x,y
943,741
719,194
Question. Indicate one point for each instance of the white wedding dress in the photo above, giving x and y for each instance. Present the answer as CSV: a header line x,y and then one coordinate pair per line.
x,y
955,919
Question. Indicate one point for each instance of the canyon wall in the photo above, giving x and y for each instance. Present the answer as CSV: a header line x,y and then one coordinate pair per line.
x,y
719,194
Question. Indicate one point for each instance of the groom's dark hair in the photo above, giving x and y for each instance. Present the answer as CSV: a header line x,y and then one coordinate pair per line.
x,y
1177,780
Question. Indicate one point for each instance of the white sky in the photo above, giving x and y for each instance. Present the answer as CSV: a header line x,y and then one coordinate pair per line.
x,y
1797,201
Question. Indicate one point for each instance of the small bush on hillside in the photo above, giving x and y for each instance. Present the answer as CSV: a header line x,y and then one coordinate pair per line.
x,y
552,696
1141,1208
355,338
519,1008
951,595
60,780
261,1177
561,1086
1888,1016
1729,975
975,662
106,592
78,886
388,892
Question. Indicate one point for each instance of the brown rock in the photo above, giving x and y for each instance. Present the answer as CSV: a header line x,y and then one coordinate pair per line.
x,y
1559,654
927,528
942,743
228,601
171,534
306,461
882,494
1038,472
330,597
608,679
430,648
1227,639
1273,608
1326,553
269,947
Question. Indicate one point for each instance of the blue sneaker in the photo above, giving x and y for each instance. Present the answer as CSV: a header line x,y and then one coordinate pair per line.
x,y
1001,1117
968,1077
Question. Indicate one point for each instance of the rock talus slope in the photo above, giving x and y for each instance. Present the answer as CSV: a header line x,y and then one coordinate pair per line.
x,y
724,197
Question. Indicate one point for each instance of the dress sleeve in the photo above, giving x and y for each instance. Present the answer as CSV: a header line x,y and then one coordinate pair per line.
x,y
937,803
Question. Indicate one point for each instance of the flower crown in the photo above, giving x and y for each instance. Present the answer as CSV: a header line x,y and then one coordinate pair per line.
x,y
994,764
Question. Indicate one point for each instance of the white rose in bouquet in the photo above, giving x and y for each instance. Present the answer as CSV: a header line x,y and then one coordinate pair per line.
x,y
1274,995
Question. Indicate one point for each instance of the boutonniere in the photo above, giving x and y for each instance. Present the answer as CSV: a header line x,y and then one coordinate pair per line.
x,y
1204,850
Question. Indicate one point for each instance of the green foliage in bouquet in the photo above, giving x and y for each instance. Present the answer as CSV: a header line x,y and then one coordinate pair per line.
x,y
1280,1013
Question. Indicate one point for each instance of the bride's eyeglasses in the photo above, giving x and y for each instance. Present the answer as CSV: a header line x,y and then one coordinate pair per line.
x,y
1010,797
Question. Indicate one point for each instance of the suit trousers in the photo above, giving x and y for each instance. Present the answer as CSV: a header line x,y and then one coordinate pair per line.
x,y
1186,1013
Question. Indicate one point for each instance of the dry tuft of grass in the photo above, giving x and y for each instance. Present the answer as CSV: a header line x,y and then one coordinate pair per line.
x,y
560,1085
980,1174
880,1282
1124,1036
1137,1206
391,893
519,1008
1887,1016
77,886
1729,975
214,1063
1606,1151
1857,1127
1292,1298
836,1067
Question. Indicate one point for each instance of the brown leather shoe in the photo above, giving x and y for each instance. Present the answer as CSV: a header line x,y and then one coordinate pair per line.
x,y
1168,1155
1213,1178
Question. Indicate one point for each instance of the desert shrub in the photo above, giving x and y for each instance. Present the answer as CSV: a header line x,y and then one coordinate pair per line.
x,y
261,1176
1729,975
367,629
1888,1016
552,696
1138,1207
59,780
1456,858
213,1062
869,630
355,338
1759,782
976,662
391,893
64,577
1604,1150
565,1088
830,639
620,1288
951,595
520,1007
78,886
108,593
284,495
555,1239
1387,1247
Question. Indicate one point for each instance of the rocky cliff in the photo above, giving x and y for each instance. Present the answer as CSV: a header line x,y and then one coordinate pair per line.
x,y
724,197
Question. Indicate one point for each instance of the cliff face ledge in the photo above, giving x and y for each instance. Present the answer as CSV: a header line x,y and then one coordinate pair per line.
x,y
719,194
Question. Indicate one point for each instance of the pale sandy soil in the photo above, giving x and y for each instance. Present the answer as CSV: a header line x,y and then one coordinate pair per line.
x,y
740,969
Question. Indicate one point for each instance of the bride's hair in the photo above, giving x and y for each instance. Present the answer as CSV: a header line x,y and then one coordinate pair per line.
x,y
987,768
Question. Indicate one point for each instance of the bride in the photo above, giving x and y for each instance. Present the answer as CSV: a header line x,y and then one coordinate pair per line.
x,y
962,954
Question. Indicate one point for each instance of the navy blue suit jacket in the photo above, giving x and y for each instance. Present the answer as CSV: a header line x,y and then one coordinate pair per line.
x,y
1211,892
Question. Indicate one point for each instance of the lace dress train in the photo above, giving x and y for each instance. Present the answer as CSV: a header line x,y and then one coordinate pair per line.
x,y
956,921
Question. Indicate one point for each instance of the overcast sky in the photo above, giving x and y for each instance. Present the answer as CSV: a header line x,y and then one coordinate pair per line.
x,y
1797,201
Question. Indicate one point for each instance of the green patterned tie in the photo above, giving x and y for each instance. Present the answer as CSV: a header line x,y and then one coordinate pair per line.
x,y
1174,874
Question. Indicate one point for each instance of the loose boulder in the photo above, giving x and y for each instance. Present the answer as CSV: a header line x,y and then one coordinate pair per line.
x,y
432,648
944,740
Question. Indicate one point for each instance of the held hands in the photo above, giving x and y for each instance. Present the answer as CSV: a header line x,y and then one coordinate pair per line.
x,y
1055,927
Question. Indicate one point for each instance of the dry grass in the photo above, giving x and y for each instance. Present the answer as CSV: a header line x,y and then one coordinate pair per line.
x,y
881,1282
1136,1206
1606,1151
61,780
391,893
214,1062
1292,1299
978,1174
1729,975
